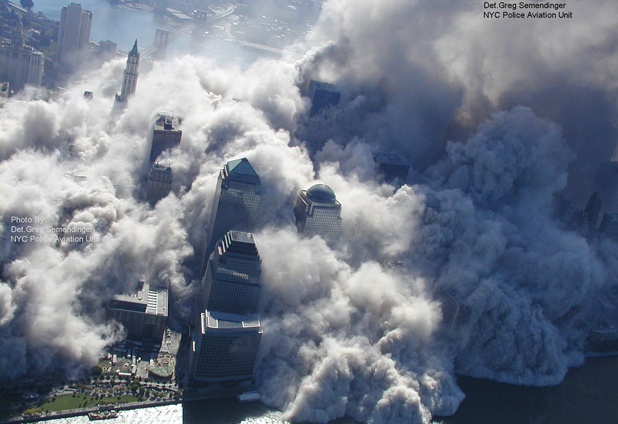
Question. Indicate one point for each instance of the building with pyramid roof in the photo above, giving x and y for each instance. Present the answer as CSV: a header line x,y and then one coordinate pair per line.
x,y
129,78
236,203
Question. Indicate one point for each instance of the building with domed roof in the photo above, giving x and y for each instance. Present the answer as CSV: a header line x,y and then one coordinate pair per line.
x,y
318,212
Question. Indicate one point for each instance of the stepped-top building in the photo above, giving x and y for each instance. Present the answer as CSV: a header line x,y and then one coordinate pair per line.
x,y
232,280
236,203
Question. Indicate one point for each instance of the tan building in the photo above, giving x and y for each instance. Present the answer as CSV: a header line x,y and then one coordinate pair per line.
x,y
166,135
142,313
73,35
129,78
20,65
159,183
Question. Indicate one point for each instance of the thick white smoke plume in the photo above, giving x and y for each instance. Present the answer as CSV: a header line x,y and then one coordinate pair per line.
x,y
358,329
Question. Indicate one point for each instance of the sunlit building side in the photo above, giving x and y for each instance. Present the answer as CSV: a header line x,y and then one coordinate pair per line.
x,y
318,212
232,279
224,348
236,203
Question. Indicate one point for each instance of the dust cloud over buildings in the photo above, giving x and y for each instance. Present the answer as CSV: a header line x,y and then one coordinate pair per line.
x,y
355,328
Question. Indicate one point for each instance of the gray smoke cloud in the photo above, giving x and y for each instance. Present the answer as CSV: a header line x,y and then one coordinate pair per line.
x,y
355,329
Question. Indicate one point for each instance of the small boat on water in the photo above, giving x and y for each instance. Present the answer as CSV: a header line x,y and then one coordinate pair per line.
x,y
103,415
249,397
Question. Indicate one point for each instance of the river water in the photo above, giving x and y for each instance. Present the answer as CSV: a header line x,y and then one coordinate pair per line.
x,y
588,395
119,24
124,25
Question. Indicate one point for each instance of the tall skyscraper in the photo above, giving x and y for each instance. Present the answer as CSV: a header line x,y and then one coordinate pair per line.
x,y
20,64
166,135
391,168
609,225
454,312
236,203
318,212
129,79
232,280
159,183
592,211
224,347
322,95
73,35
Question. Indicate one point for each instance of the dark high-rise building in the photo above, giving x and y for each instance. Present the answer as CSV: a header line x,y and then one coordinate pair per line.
x,y
73,35
159,183
20,64
224,347
592,211
129,78
609,225
318,212
143,313
322,95
4,89
391,168
454,312
236,203
606,184
232,280
166,135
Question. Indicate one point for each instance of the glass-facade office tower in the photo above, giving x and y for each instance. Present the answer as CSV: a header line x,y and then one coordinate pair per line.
x,y
232,279
236,203
224,347
159,183
318,212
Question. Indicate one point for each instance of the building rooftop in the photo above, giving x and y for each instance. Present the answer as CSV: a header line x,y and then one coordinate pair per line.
x,y
148,299
167,123
161,173
241,237
241,167
213,320
241,170
325,86
389,159
237,242
321,193
133,51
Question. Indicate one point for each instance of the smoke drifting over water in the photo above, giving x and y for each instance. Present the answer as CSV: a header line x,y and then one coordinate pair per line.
x,y
353,330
